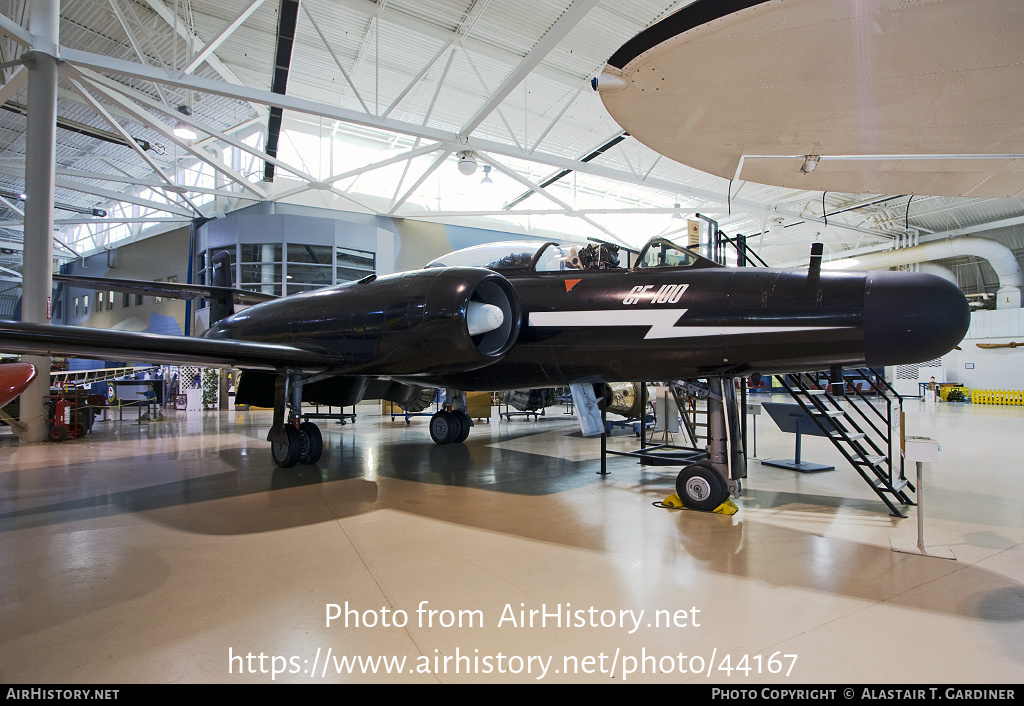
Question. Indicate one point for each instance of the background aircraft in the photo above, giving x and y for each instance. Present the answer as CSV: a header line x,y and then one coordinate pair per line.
x,y
518,315
14,378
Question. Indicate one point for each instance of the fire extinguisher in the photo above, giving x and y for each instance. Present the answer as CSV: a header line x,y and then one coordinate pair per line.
x,y
61,420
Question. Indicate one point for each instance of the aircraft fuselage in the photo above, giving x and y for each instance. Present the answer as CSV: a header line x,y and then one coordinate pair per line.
x,y
618,325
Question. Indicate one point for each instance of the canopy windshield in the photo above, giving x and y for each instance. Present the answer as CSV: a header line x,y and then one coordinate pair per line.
x,y
660,252
551,257
516,255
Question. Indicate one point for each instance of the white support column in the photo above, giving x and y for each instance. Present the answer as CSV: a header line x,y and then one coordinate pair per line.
x,y
41,140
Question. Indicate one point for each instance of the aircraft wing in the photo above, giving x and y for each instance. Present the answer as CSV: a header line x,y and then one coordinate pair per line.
x,y
171,290
102,344
14,378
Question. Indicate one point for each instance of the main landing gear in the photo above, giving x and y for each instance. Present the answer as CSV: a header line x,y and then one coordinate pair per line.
x,y
707,484
302,445
292,441
701,487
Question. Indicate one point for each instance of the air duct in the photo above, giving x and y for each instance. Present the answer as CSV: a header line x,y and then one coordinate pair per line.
x,y
939,271
1000,257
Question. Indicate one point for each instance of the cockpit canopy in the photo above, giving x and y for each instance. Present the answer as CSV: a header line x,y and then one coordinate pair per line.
x,y
496,256
539,256
659,252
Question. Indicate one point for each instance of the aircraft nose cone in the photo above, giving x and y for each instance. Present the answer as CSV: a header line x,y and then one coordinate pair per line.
x,y
481,318
911,317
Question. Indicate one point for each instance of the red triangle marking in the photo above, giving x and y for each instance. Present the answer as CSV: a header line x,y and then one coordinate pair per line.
x,y
570,283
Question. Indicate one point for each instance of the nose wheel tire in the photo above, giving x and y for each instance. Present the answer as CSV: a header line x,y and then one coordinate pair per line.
x,y
701,487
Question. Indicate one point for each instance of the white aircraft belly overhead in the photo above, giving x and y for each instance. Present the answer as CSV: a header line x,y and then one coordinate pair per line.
x,y
884,96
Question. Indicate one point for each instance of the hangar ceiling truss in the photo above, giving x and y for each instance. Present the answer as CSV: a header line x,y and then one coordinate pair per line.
x,y
506,82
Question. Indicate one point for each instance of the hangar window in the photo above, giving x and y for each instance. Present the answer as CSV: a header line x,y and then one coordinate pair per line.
x,y
304,278
351,265
311,254
281,269
309,267
260,267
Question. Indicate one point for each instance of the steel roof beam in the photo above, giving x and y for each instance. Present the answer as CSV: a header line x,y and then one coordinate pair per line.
x,y
96,78
124,133
204,53
563,25
15,31
168,16
134,42
126,68
337,61
387,13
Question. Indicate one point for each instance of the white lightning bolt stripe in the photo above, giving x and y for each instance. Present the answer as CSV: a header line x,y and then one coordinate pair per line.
x,y
661,322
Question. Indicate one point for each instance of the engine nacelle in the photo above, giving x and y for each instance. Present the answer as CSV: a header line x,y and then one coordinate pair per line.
x,y
413,323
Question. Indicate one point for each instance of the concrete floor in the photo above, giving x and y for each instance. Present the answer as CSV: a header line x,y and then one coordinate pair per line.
x,y
175,552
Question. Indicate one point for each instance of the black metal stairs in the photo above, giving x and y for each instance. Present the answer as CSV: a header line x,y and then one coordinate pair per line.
x,y
693,417
866,431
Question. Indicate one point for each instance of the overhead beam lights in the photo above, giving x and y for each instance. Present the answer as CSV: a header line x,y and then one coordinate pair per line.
x,y
181,128
80,128
85,210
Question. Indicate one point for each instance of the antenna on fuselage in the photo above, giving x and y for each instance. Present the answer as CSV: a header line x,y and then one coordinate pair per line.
x,y
814,267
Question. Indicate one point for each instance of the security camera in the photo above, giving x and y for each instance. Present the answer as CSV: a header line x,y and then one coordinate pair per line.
x,y
467,163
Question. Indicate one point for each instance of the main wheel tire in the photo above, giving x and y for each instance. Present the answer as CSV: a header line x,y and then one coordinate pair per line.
x,y
312,443
286,454
701,487
444,427
465,424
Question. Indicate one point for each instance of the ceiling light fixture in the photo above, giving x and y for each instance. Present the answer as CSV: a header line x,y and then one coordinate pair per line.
x,y
810,162
85,210
467,162
183,129
487,181
677,215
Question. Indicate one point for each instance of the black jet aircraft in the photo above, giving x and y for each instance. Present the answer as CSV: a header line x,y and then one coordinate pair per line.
x,y
529,315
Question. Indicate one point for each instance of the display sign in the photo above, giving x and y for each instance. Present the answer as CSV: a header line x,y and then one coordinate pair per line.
x,y
693,231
